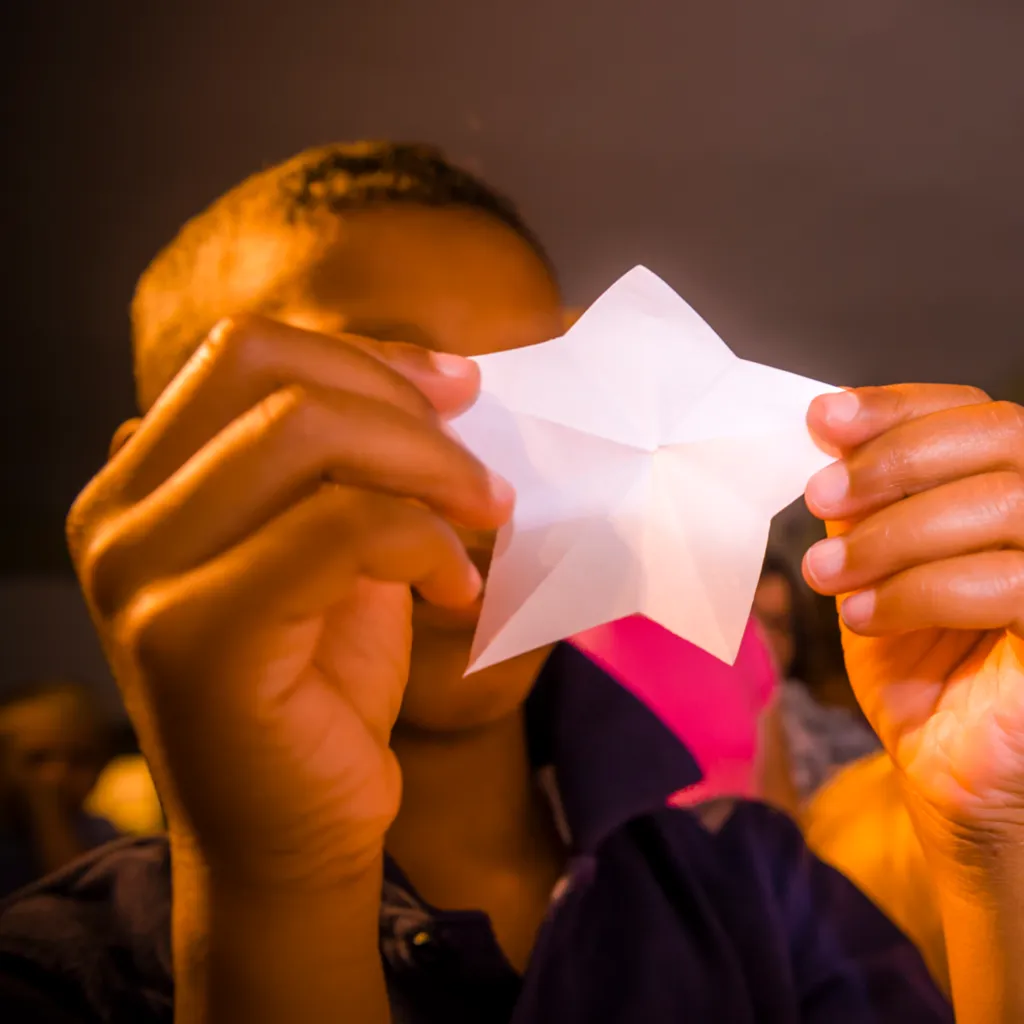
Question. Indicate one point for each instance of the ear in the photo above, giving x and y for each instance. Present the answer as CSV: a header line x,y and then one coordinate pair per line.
x,y
122,436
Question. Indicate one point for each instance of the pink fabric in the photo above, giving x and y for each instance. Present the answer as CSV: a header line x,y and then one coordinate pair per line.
x,y
714,708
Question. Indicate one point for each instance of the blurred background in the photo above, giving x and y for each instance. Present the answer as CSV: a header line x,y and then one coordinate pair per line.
x,y
836,188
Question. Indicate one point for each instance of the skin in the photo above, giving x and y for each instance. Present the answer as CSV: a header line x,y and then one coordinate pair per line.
x,y
248,554
925,557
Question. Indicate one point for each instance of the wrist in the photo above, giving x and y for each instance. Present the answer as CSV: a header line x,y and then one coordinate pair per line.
x,y
981,900
271,873
276,952
971,853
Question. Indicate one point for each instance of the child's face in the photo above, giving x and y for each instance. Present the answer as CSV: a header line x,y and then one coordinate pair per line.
x,y
50,744
450,280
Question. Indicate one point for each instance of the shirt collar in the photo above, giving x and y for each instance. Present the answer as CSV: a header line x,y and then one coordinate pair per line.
x,y
612,758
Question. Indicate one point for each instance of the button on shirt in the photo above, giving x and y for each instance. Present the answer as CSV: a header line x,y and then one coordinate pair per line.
x,y
664,915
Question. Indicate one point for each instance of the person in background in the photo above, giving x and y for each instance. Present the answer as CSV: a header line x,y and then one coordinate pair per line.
x,y
823,726
52,749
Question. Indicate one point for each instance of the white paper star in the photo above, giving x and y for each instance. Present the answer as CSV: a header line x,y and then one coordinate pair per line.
x,y
648,462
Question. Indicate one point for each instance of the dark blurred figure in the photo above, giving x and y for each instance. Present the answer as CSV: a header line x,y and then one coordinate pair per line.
x,y
824,727
53,745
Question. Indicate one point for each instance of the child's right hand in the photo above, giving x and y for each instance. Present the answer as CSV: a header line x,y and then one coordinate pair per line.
x,y
247,557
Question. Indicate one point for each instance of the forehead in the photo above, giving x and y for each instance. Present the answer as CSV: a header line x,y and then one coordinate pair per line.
x,y
451,279
53,719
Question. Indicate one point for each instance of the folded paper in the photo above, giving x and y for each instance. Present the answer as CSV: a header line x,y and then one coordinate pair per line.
x,y
648,461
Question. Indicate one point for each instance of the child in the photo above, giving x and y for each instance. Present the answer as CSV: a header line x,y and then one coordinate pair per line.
x,y
284,560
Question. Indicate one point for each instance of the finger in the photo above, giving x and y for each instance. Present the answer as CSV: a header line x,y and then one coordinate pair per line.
x,y
920,454
974,514
850,418
974,592
272,457
247,358
305,561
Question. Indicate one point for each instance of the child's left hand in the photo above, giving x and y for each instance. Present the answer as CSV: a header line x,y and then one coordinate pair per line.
x,y
925,515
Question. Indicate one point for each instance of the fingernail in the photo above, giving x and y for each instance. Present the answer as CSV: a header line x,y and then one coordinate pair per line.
x,y
858,609
826,559
842,407
830,487
501,490
450,365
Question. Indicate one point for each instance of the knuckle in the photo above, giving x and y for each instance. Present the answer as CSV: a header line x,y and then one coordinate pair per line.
x,y
284,409
359,526
1009,503
974,395
898,398
1019,574
100,569
893,470
99,499
378,518
1011,416
77,526
1008,491
397,356
234,339
144,630
341,513
1011,581
895,404
310,421
366,514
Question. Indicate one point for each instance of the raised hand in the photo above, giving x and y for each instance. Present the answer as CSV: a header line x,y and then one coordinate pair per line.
x,y
925,514
248,556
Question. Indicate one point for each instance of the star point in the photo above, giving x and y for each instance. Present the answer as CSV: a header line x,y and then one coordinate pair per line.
x,y
648,461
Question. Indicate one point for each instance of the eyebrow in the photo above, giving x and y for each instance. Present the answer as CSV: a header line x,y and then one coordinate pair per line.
x,y
392,330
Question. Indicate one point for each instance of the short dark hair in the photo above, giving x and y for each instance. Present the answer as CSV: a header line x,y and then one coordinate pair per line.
x,y
183,292
352,177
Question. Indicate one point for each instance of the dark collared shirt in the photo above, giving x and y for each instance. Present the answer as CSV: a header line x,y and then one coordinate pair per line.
x,y
664,915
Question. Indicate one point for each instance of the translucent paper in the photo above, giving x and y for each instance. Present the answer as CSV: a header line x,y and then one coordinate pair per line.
x,y
648,462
